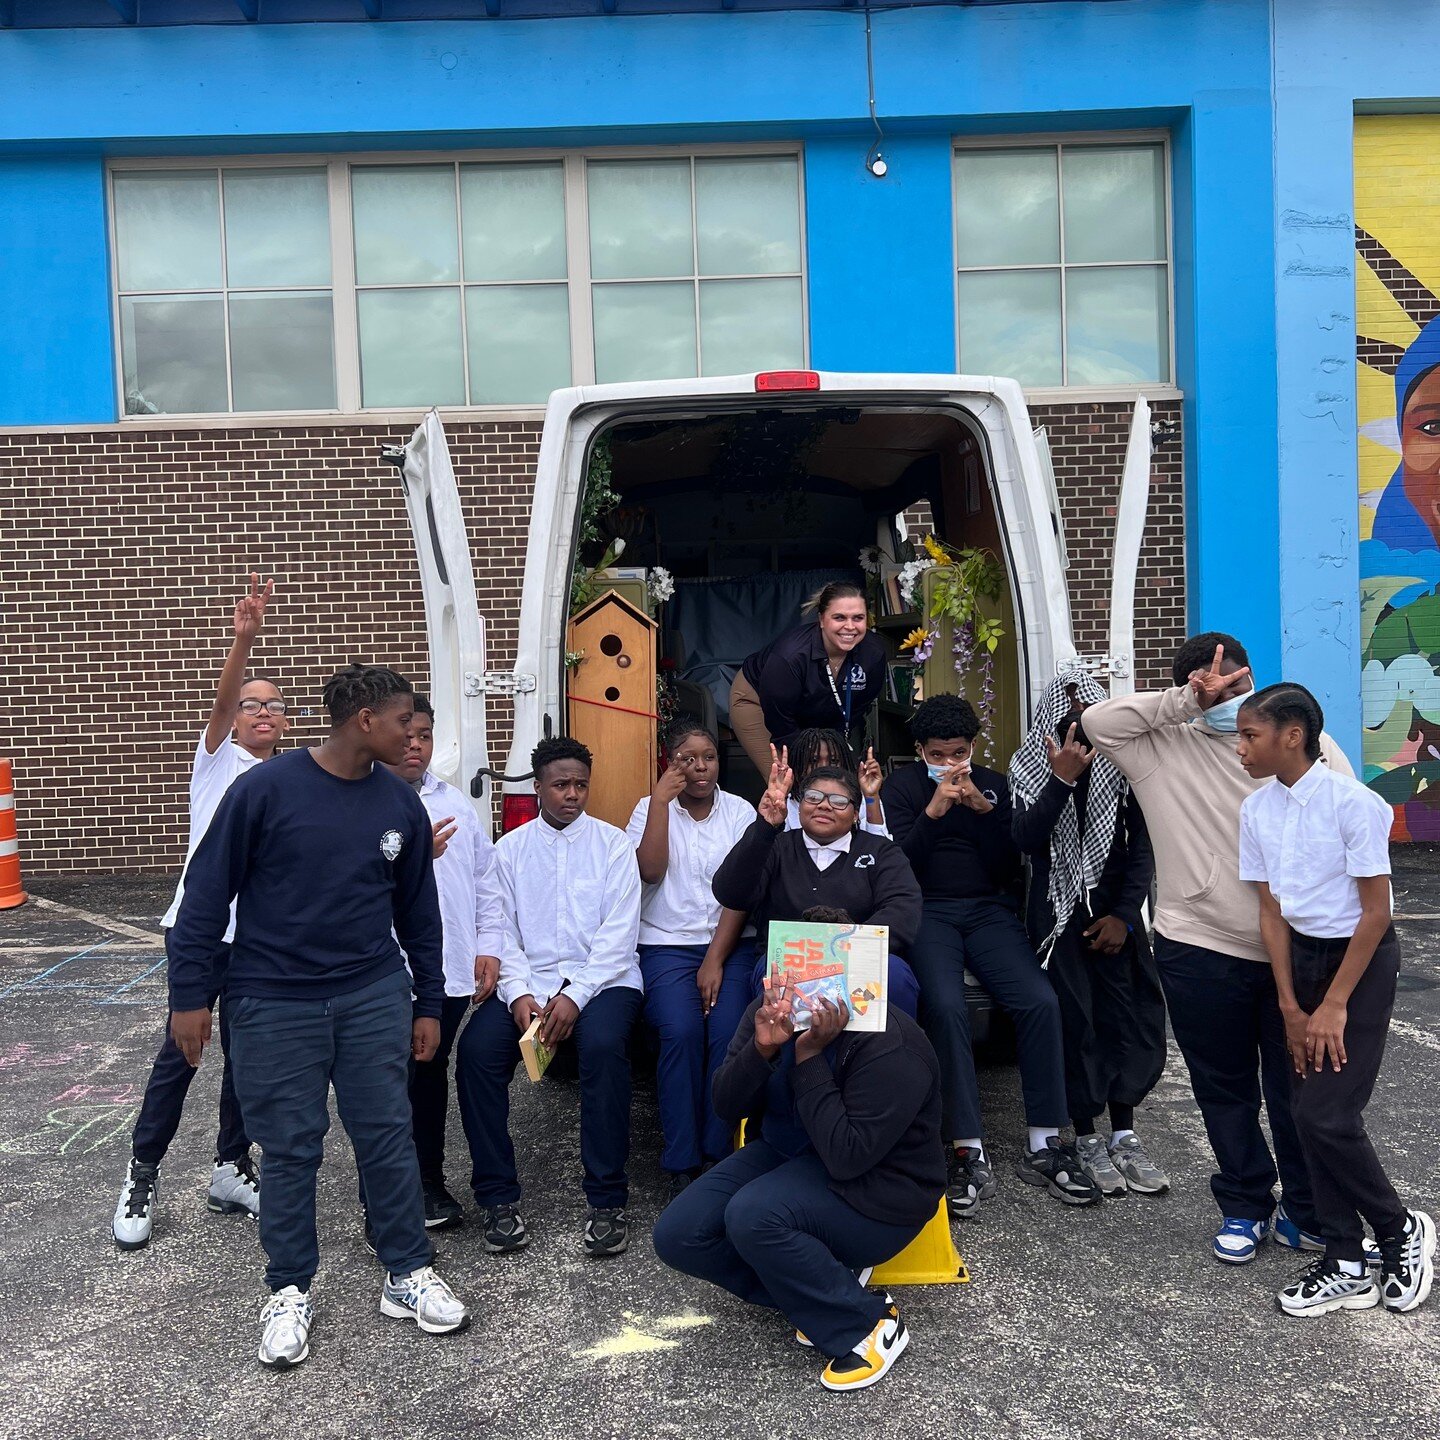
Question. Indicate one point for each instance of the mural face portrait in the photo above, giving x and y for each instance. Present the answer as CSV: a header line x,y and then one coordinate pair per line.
x,y
1420,450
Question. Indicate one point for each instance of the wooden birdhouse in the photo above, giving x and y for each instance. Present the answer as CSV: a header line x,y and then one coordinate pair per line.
x,y
612,702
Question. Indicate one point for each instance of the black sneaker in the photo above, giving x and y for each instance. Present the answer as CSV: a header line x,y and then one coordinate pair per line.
x,y
504,1229
370,1238
1057,1168
1407,1263
970,1180
442,1209
607,1232
680,1180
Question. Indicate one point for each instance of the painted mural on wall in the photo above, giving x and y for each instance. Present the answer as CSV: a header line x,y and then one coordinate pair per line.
x,y
1397,233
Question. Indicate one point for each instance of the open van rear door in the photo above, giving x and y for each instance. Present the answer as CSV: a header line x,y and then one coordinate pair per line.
x,y
1130,513
454,631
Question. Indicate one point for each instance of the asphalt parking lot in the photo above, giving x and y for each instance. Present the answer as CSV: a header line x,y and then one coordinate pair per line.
x,y
1109,1322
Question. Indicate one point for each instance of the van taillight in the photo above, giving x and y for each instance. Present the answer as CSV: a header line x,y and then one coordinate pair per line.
x,y
787,380
517,810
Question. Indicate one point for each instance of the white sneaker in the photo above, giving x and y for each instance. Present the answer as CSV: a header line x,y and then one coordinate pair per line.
x,y
1325,1287
235,1188
135,1210
1407,1264
422,1296
286,1340
871,1359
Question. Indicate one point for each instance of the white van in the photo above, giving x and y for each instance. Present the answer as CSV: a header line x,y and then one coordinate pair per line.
x,y
748,489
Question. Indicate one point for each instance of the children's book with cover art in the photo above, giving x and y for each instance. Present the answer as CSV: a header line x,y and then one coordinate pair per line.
x,y
533,1050
838,962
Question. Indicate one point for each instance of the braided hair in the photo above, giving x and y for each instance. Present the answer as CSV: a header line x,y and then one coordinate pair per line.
x,y
1289,704
361,687
681,728
805,755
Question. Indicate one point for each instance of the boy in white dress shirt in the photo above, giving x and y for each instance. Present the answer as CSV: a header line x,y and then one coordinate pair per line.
x,y
472,920
570,897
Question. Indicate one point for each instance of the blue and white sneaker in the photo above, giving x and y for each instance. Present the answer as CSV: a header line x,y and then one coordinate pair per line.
x,y
422,1296
1237,1240
1291,1236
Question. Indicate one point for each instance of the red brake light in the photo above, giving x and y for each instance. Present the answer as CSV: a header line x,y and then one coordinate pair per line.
x,y
787,380
517,810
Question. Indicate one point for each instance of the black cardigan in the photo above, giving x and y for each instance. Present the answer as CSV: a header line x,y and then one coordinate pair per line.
x,y
870,1109
1124,884
789,677
770,874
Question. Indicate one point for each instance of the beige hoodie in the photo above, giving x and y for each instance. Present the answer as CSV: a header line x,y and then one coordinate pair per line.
x,y
1190,785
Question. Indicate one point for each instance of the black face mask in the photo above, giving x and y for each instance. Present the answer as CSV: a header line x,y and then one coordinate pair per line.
x,y
1075,718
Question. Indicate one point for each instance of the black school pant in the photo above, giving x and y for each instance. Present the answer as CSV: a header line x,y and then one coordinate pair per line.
x,y
430,1092
1328,1106
1227,1024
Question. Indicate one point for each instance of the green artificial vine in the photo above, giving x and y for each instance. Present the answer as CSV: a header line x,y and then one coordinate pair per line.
x,y
962,579
598,500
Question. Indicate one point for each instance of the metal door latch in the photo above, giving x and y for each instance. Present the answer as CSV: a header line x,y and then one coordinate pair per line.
x,y
498,682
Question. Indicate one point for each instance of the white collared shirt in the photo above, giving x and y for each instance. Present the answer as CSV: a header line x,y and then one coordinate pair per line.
x,y
681,909
1310,842
469,896
792,820
570,903
827,854
210,778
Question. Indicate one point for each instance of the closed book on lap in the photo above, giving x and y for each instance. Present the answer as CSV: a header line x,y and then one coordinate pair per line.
x,y
536,1054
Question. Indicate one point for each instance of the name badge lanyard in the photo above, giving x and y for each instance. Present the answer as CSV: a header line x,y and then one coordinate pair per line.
x,y
843,705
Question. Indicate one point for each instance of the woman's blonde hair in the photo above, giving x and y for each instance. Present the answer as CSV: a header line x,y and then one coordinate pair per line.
x,y
827,595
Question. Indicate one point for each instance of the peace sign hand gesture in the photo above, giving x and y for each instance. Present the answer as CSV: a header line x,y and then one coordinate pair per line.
x,y
775,801
870,776
1068,762
250,609
1210,685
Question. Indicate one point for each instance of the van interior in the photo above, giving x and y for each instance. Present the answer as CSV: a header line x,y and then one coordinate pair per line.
x,y
752,509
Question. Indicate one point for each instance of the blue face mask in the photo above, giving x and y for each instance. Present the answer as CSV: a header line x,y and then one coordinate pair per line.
x,y
937,772
1225,717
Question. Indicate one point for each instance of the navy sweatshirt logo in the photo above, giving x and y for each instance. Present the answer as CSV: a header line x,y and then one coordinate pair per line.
x,y
390,843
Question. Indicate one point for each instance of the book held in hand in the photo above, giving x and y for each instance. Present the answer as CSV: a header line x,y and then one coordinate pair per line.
x,y
841,963
536,1054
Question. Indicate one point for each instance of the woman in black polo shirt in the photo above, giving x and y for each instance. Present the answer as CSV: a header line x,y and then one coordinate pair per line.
x,y
824,675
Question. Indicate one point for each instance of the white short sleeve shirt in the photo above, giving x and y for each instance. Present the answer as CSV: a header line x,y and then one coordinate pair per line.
x,y
210,778
1310,842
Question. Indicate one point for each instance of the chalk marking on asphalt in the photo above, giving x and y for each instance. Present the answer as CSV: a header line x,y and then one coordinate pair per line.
x,y
114,999
1417,1033
115,927
639,1336
1428,915
37,982
112,947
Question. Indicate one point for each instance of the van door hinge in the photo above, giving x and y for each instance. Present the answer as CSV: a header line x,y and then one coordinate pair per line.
x,y
1117,665
498,682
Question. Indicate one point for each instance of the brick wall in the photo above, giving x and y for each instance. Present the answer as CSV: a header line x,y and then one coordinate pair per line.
x,y
124,551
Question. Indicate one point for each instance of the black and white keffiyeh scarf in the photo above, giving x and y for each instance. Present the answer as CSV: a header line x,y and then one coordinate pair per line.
x,y
1076,861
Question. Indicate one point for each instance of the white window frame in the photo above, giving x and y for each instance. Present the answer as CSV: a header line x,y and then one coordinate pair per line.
x,y
344,293
1058,141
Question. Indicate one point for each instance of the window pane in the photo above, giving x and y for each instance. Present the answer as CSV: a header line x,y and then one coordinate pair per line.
x,y
174,354
747,214
1114,203
640,219
277,228
1118,325
404,224
282,352
1007,207
750,325
514,221
1010,325
410,348
519,339
644,332
167,230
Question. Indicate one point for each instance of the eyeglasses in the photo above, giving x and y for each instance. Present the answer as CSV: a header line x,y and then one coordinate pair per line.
x,y
254,707
824,797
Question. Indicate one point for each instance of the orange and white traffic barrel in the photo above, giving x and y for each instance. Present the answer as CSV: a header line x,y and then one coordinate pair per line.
x,y
11,893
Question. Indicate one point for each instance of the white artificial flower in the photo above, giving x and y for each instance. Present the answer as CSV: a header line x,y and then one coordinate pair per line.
x,y
910,574
661,584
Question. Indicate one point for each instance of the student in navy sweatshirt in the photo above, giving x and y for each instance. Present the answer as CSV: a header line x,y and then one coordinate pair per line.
x,y
328,856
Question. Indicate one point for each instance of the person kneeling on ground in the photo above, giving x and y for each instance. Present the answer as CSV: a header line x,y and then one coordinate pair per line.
x,y
952,818
570,904
330,858
843,1169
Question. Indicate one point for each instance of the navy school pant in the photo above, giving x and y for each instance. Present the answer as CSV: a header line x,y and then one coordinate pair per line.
x,y
987,938
430,1092
1346,1176
770,1230
1226,1020
904,985
287,1054
486,1057
169,1083
692,1045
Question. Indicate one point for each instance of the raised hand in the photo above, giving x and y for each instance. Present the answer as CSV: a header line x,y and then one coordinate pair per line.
x,y
1210,685
827,1020
250,609
949,791
1071,760
774,803
870,776
774,1024
670,785
443,832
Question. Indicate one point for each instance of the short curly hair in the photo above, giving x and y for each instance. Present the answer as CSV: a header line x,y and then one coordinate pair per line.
x,y
547,752
944,717
1199,650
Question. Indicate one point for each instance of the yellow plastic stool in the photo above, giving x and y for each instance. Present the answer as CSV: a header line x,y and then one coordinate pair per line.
x,y
929,1259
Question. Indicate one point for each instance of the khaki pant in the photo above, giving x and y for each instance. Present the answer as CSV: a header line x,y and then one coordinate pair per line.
x,y
747,720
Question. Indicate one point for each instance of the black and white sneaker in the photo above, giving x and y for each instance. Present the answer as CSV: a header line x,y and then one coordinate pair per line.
x,y
1407,1263
504,1229
1057,1168
235,1188
969,1181
135,1210
607,1232
1325,1287
442,1209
